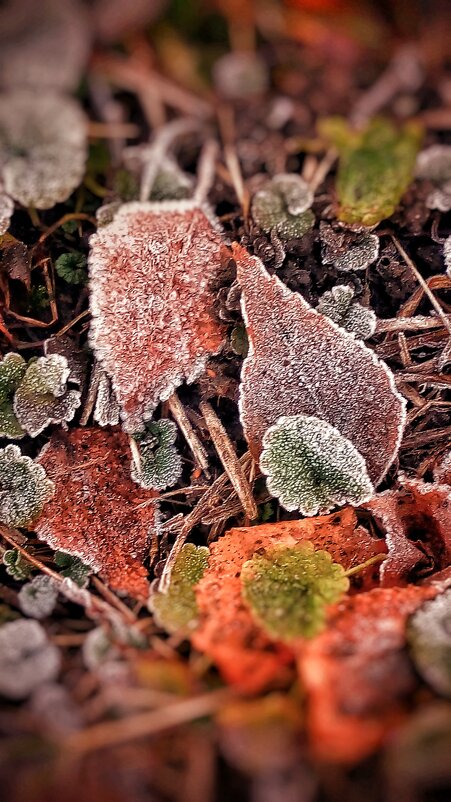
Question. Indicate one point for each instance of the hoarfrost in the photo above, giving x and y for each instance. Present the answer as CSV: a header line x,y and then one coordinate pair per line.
x,y
355,318
42,397
24,488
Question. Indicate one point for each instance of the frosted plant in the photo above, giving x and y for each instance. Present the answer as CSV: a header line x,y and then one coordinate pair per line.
x,y
73,568
347,250
42,397
177,609
16,566
106,410
300,362
72,268
37,598
12,371
288,589
355,318
159,464
6,212
434,164
283,205
447,254
43,147
27,658
24,488
429,635
311,467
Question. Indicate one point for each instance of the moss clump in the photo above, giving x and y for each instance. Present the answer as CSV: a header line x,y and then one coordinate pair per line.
x,y
177,609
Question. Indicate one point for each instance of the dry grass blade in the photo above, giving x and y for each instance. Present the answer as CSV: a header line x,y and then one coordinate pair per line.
x,y
427,291
177,411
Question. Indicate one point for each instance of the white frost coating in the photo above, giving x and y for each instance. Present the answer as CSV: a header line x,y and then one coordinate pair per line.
x,y
447,255
43,147
153,270
27,658
299,361
106,410
311,467
42,397
24,487
37,598
160,462
283,205
338,306
434,164
6,212
347,250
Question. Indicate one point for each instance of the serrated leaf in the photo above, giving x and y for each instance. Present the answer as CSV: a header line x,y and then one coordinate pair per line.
x,y
177,610
160,464
376,166
429,636
42,396
12,371
288,589
24,488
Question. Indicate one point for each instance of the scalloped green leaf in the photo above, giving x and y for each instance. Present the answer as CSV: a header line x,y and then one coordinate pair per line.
x,y
24,488
12,371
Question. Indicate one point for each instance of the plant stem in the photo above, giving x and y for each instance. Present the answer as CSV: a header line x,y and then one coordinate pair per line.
x,y
357,568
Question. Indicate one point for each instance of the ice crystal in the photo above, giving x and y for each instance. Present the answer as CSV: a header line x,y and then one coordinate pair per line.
x,y
98,514
376,166
42,147
177,609
153,271
434,164
73,568
355,318
6,212
288,589
160,464
429,634
27,658
12,371
447,254
311,467
347,250
300,362
24,488
72,268
283,205
16,565
42,397
37,598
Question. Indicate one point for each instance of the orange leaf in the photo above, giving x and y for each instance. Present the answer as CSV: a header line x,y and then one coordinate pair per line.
x,y
96,513
301,362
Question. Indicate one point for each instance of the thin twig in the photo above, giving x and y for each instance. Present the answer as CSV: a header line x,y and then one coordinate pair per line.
x,y
205,171
177,411
423,283
418,323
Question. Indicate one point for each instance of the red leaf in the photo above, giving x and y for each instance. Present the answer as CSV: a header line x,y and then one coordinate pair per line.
x,y
301,362
96,512
153,275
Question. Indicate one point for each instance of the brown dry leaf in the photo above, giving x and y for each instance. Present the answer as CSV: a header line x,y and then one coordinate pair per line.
x,y
301,362
227,632
96,513
154,271
15,259
357,675
416,519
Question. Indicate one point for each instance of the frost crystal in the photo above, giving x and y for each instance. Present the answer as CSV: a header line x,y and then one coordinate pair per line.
x,y
346,250
288,589
98,514
24,488
429,634
283,205
160,463
37,598
42,397
447,254
311,467
153,273
27,658
300,362
6,212
434,164
12,371
42,147
337,305
177,609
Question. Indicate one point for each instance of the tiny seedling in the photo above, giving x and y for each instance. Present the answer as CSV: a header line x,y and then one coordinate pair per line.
x,y
24,488
282,205
338,305
157,463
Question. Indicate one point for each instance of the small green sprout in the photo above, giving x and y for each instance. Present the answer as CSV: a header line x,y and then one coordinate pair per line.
x,y
157,463
12,371
288,589
37,598
72,268
283,205
311,467
429,635
338,306
177,610
15,565
73,568
42,397
24,488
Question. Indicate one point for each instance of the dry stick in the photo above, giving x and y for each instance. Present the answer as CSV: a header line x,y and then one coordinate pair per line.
x,y
177,411
423,283
418,323
92,393
323,169
158,148
205,171
236,176
229,460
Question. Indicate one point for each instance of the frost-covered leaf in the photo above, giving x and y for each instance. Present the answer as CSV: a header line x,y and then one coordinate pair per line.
x,y
348,251
434,164
98,514
12,371
24,488
37,598
376,166
153,273
76,356
288,589
42,397
447,254
106,410
177,610
73,568
6,212
159,465
311,467
338,305
283,205
300,362
72,268
15,564
42,147
27,658
429,635
416,520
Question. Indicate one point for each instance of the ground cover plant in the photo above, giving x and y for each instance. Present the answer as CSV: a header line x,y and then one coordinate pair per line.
x,y
225,451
